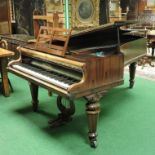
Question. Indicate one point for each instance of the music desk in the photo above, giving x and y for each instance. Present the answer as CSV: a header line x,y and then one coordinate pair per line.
x,y
4,54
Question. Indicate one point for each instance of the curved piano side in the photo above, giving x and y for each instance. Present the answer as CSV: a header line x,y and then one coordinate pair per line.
x,y
99,73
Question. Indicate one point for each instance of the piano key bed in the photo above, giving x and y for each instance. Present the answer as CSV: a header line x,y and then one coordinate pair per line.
x,y
50,77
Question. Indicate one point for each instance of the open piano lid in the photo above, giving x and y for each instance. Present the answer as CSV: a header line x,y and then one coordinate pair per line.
x,y
103,36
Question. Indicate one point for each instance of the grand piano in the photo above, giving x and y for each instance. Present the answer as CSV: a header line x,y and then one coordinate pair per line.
x,y
91,64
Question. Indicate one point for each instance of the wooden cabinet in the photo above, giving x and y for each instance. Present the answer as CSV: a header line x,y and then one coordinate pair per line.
x,y
6,16
5,25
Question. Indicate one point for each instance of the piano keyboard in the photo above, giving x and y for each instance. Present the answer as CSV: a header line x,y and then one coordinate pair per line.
x,y
50,77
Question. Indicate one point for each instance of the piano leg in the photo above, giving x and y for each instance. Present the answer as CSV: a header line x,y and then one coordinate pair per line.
x,y
152,54
34,95
132,71
92,110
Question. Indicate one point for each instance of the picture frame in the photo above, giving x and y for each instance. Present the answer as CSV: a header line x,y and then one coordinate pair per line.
x,y
77,21
54,6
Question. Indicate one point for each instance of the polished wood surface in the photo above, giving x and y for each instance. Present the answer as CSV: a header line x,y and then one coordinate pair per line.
x,y
49,57
87,64
4,54
134,50
90,84
12,41
48,37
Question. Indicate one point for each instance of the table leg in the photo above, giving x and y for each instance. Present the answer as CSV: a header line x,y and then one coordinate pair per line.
x,y
5,83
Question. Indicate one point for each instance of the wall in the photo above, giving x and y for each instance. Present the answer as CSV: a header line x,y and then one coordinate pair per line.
x,y
24,14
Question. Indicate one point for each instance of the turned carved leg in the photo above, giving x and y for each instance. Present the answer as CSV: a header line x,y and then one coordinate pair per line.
x,y
132,71
92,110
34,95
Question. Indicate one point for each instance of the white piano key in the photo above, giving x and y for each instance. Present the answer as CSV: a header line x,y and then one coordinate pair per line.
x,y
41,76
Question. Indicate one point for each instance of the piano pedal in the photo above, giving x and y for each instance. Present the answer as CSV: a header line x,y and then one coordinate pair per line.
x,y
67,109
61,120
49,93
66,106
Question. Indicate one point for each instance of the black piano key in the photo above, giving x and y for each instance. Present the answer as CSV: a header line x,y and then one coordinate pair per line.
x,y
53,75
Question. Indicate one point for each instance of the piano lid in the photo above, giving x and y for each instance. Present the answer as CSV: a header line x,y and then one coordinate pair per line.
x,y
103,27
104,36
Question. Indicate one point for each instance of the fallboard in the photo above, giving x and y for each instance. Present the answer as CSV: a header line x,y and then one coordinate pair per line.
x,y
75,65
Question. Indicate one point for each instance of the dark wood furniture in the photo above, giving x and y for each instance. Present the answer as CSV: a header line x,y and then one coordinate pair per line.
x,y
7,16
92,64
5,19
12,41
4,54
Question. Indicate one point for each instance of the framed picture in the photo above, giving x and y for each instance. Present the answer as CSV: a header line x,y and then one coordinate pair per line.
x,y
84,13
54,6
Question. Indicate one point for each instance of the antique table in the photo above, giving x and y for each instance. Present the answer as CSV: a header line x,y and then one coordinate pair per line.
x,y
4,54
